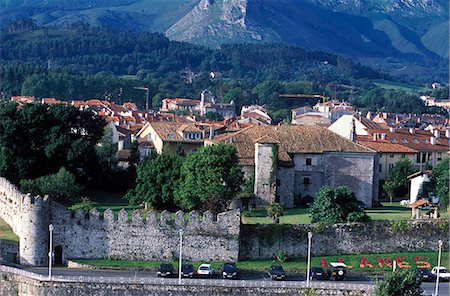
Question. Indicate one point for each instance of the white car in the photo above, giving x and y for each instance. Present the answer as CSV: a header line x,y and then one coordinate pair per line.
x,y
443,273
205,270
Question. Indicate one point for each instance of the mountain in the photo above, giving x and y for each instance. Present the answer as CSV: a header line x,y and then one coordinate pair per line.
x,y
411,29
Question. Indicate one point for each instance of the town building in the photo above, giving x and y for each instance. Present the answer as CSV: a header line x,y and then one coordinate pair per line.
x,y
293,162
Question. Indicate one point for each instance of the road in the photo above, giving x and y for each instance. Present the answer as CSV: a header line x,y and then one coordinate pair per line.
x,y
428,287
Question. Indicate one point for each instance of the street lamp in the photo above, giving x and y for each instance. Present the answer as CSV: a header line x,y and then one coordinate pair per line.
x,y
436,288
50,253
309,258
181,249
147,96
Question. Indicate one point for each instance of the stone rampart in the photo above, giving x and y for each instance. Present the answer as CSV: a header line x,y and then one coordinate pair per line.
x,y
145,237
263,241
96,236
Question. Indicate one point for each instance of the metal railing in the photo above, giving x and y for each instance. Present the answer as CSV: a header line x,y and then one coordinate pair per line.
x,y
189,282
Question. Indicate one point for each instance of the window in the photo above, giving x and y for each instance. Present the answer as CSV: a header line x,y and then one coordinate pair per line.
x,y
149,136
278,182
391,155
306,181
425,140
439,156
403,155
418,158
379,167
308,161
405,141
415,141
391,166
393,140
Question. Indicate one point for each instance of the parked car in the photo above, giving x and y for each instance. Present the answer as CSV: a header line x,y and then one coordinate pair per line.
x,y
165,270
276,272
205,270
425,275
317,273
443,273
230,271
187,270
339,272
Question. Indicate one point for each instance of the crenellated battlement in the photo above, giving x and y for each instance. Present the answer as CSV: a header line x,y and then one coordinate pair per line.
x,y
123,235
165,220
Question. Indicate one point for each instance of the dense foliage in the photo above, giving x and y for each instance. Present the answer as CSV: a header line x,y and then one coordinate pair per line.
x,y
210,179
401,282
336,205
440,182
157,179
61,186
39,139
82,62
397,183
275,211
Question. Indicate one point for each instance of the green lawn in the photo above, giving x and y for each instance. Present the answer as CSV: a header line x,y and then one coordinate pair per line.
x,y
389,211
6,232
294,264
399,86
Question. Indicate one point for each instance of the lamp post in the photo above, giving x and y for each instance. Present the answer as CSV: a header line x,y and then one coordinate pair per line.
x,y
309,258
147,96
436,288
181,250
50,252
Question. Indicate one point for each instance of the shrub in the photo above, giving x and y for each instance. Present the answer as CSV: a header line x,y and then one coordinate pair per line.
x,y
61,186
401,282
275,211
336,205
86,204
282,256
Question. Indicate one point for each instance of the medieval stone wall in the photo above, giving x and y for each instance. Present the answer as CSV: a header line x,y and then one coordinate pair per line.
x,y
146,237
263,241
92,235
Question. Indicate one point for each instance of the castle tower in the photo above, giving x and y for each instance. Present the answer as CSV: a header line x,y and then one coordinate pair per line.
x,y
34,234
266,159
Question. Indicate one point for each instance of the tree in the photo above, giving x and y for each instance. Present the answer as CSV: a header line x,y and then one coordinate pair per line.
x,y
401,283
336,205
106,149
275,211
56,136
61,186
440,180
397,183
209,177
213,116
157,179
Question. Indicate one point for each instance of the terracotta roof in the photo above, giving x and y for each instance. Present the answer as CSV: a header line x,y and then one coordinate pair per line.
x,y
168,132
50,101
292,138
383,146
419,140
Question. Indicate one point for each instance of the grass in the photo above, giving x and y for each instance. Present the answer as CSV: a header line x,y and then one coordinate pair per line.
x,y
391,212
293,265
6,232
399,86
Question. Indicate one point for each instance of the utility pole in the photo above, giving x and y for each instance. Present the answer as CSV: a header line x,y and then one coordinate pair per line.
x,y
147,97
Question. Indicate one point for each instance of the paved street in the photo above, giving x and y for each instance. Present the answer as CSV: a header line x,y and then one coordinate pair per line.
x,y
428,287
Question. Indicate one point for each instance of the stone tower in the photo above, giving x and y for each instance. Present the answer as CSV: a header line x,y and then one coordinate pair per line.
x,y
266,159
34,234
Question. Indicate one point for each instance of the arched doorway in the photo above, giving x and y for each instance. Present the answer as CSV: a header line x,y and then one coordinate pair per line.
x,y
58,256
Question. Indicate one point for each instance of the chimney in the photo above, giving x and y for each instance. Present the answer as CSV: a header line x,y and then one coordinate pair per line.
x,y
383,136
392,129
375,137
447,133
437,133
211,132
433,141
385,115
412,130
